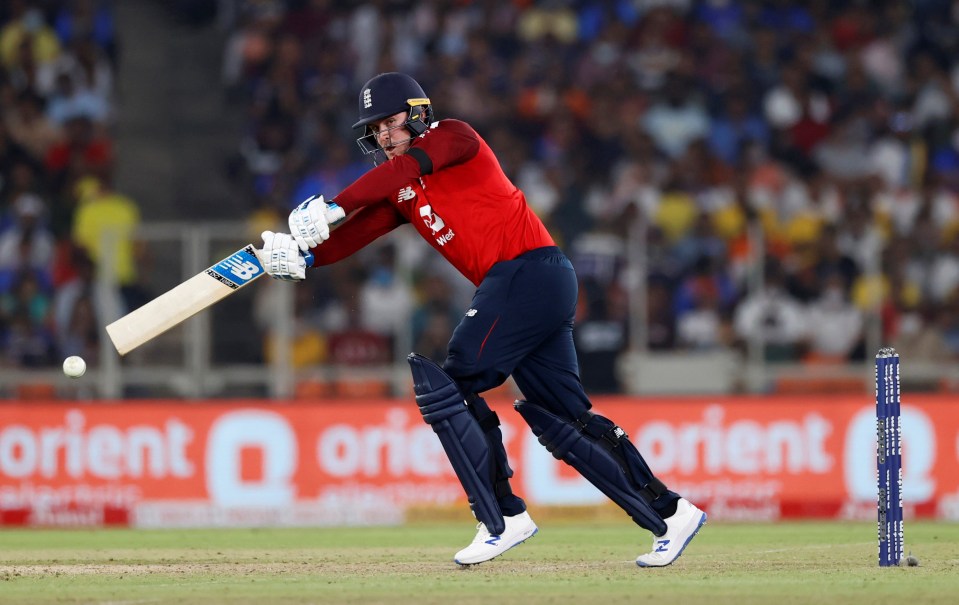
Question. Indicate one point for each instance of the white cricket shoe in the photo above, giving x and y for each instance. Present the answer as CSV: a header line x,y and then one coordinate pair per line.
x,y
680,529
486,546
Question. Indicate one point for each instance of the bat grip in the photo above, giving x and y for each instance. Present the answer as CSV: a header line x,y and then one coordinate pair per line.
x,y
308,257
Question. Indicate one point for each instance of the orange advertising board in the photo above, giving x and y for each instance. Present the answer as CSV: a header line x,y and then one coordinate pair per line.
x,y
170,463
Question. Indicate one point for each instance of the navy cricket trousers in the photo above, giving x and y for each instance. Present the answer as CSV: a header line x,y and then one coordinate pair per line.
x,y
520,323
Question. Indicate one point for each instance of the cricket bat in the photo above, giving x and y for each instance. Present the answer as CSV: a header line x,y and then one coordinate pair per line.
x,y
186,300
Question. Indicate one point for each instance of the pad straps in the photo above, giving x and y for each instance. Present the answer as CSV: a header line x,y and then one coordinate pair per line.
x,y
489,422
614,440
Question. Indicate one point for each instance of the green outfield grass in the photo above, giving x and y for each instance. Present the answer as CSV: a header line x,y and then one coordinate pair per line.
x,y
566,563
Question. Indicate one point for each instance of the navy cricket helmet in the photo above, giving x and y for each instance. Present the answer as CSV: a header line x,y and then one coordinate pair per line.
x,y
388,94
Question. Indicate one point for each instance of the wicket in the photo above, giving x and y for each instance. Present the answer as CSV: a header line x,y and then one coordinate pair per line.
x,y
889,457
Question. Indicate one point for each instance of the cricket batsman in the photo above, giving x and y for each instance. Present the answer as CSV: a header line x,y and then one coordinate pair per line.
x,y
443,179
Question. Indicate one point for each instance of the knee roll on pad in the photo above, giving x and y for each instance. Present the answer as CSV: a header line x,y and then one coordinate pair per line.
x,y
578,446
444,408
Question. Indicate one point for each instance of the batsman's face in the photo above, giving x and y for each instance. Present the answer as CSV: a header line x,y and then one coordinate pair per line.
x,y
391,134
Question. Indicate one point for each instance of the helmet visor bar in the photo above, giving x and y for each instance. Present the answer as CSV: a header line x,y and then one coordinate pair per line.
x,y
369,142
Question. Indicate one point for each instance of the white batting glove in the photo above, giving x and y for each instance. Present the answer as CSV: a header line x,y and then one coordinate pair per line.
x,y
281,257
310,221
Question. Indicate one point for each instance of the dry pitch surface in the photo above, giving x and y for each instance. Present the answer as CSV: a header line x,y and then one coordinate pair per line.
x,y
566,563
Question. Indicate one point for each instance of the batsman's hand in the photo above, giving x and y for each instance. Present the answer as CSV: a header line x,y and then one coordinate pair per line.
x,y
310,221
281,257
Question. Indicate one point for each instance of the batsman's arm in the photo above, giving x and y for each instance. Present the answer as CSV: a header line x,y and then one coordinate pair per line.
x,y
360,229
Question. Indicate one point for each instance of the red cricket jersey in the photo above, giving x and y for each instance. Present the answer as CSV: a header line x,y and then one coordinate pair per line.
x,y
450,186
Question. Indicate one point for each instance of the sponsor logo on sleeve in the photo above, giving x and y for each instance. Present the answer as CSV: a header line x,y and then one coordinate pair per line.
x,y
436,225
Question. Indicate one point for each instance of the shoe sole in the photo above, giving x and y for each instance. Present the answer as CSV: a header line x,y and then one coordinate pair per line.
x,y
702,521
535,531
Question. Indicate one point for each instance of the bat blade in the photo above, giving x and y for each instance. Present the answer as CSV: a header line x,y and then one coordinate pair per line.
x,y
185,300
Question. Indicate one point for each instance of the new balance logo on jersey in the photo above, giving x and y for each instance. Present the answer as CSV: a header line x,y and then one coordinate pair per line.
x,y
405,194
367,99
471,313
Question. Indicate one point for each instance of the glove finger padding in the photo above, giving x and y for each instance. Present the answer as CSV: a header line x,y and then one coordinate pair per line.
x,y
281,257
334,213
308,223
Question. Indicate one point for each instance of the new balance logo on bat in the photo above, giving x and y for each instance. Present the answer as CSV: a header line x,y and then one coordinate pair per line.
x,y
185,300
237,269
242,270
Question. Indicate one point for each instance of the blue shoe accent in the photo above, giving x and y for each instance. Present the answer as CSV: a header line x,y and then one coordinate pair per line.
x,y
486,546
702,521
493,542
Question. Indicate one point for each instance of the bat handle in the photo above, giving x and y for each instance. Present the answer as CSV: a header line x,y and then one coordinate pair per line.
x,y
308,257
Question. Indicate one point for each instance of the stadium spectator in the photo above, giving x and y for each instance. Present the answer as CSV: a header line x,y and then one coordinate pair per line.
x,y
92,19
82,152
71,324
677,120
105,225
735,126
602,334
24,314
835,324
27,243
773,318
706,326
69,101
27,36
434,316
29,126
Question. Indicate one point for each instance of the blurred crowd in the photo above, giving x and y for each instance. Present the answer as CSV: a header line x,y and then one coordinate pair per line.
x,y
58,60
819,137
